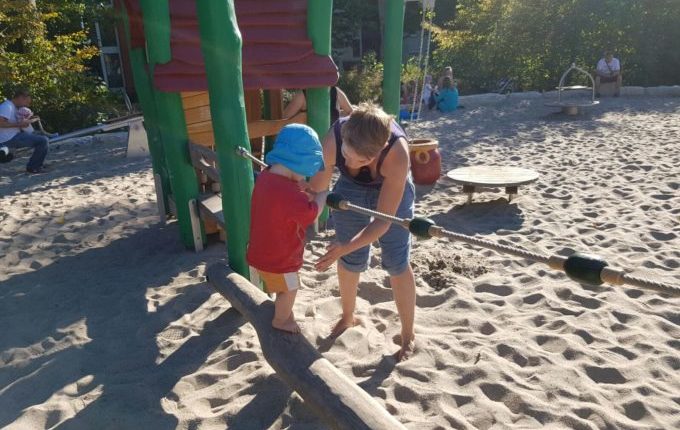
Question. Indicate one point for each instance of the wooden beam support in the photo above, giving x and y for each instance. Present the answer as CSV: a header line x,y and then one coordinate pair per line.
x,y
328,392
271,127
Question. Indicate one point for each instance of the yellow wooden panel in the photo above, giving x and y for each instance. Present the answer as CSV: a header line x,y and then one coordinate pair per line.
x,y
206,139
197,114
199,127
188,94
195,100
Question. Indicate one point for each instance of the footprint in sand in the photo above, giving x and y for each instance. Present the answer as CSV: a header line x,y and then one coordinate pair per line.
x,y
533,298
624,352
510,353
499,290
605,375
587,337
663,236
240,358
487,329
635,410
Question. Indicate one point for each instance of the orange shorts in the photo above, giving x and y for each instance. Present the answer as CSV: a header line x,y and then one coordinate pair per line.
x,y
275,282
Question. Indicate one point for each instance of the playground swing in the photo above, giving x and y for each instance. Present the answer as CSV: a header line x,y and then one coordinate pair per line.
x,y
573,107
426,21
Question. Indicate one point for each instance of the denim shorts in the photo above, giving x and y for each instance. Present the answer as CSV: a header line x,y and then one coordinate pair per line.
x,y
395,244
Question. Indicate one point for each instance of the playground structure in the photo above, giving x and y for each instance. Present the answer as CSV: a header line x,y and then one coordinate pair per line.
x,y
573,107
209,77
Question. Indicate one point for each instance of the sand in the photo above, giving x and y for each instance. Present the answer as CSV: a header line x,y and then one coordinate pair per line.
x,y
108,322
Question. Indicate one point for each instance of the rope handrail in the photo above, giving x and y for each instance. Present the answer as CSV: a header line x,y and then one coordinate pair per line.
x,y
582,268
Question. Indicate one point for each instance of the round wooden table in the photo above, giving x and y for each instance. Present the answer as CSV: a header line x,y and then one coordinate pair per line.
x,y
492,176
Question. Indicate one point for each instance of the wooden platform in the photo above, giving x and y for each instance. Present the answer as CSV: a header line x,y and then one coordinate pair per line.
x,y
572,107
492,176
573,88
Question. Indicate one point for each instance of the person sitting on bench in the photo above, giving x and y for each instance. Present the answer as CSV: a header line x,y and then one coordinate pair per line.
x,y
608,70
12,136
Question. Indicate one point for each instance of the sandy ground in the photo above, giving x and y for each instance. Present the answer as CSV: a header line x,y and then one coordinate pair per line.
x,y
108,322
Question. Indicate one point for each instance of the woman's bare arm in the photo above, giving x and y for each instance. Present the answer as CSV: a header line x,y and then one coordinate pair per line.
x,y
297,104
346,107
322,180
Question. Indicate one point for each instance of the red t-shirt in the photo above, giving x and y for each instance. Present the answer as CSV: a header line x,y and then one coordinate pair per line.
x,y
279,215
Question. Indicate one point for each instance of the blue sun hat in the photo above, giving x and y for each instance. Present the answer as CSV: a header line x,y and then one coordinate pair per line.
x,y
298,148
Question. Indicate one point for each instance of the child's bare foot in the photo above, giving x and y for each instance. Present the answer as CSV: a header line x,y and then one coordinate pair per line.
x,y
289,326
343,325
406,351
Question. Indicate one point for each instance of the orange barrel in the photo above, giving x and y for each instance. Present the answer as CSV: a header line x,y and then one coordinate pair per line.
x,y
426,163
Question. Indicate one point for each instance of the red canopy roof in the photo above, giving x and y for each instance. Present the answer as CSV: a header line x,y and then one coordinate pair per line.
x,y
276,50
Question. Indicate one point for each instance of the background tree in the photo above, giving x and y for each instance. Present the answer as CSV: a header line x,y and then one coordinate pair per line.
x,y
534,41
45,47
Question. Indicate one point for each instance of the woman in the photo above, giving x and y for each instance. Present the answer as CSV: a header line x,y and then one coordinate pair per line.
x,y
371,152
340,105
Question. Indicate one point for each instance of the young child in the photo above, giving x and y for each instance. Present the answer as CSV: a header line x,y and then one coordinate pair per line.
x,y
447,99
25,114
281,210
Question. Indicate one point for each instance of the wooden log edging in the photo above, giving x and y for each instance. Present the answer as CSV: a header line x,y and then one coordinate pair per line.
x,y
329,393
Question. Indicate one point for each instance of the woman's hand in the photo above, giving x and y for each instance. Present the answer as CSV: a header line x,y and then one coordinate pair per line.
x,y
333,252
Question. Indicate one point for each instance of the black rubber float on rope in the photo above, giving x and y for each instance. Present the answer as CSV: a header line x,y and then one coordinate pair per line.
x,y
583,268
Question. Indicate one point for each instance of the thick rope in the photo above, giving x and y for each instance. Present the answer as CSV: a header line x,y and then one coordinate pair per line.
x,y
637,281
556,262
519,252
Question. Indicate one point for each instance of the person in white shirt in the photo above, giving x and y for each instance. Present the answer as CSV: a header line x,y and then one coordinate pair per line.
x,y
12,136
608,70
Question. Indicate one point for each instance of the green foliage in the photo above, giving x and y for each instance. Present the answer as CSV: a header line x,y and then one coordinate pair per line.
x,y
52,64
364,84
534,41
348,18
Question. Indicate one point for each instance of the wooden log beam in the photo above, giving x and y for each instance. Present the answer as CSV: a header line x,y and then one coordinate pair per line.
x,y
329,393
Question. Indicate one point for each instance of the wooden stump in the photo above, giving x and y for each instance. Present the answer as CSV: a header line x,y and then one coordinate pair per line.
x,y
329,393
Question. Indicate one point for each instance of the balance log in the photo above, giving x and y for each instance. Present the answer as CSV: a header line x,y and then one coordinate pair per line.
x,y
329,393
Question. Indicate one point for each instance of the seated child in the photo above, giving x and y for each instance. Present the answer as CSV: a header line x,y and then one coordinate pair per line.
x,y
281,210
25,114
447,99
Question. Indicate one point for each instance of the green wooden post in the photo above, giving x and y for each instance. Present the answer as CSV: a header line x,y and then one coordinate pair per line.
x,y
392,43
319,21
170,117
319,18
145,94
221,46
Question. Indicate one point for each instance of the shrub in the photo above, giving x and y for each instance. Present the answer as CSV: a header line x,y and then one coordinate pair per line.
x,y
53,67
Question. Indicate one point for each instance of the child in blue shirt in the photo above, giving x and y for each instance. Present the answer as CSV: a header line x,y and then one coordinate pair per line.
x,y
447,99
